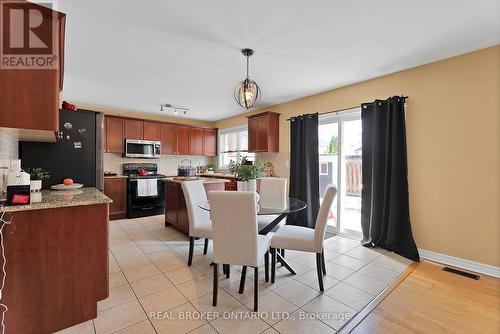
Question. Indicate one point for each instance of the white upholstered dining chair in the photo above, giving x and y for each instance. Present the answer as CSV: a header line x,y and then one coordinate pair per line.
x,y
273,196
305,239
199,219
235,235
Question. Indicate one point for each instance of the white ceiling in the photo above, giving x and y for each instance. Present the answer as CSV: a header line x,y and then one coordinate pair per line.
x,y
133,55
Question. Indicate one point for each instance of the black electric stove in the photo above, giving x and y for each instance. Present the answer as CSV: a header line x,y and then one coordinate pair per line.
x,y
142,206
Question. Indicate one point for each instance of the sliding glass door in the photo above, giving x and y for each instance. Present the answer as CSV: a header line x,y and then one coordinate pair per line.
x,y
340,164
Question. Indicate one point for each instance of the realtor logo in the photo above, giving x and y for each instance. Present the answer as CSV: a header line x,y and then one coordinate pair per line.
x,y
28,35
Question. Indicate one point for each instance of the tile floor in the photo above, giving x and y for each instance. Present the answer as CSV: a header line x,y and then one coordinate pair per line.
x,y
153,291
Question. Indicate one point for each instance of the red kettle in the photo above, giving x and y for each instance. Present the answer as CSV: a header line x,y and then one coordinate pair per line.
x,y
143,172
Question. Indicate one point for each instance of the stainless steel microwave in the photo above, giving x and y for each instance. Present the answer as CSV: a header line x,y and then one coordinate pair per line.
x,y
146,149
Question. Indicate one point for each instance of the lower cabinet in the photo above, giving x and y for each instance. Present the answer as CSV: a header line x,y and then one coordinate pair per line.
x,y
176,214
116,189
175,207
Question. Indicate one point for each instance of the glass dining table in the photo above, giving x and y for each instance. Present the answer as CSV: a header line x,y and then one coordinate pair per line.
x,y
291,205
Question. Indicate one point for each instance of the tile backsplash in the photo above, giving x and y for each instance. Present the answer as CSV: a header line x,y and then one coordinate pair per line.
x,y
166,164
8,146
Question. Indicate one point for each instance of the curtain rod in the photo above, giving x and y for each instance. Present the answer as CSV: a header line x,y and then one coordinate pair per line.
x,y
344,109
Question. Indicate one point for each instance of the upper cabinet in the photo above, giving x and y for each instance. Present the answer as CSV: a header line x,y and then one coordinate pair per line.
x,y
210,142
114,128
263,132
183,140
29,97
197,146
168,139
176,139
152,130
134,129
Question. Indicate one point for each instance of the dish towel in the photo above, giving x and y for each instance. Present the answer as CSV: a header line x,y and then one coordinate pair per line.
x,y
147,187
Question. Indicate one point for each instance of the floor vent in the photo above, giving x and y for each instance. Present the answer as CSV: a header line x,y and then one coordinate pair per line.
x,y
461,273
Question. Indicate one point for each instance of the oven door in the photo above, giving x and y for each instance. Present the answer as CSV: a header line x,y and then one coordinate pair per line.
x,y
141,149
144,206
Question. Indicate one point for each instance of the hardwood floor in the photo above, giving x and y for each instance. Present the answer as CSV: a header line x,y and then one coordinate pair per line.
x,y
430,300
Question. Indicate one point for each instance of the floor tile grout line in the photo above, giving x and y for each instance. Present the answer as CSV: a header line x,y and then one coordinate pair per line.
x,y
173,285
293,278
137,298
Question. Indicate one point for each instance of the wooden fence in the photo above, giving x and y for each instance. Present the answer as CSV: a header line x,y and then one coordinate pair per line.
x,y
353,175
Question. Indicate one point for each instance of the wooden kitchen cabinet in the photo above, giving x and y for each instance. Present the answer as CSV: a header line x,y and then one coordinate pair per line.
x,y
152,131
29,98
171,202
175,207
176,139
183,140
114,130
196,144
176,214
116,189
263,132
134,129
210,142
168,139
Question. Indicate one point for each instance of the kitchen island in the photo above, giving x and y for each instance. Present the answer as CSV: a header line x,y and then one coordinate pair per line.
x,y
56,252
176,214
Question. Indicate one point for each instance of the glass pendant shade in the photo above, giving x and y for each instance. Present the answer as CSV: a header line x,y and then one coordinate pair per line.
x,y
246,93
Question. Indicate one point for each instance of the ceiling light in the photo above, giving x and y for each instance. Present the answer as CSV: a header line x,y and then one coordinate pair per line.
x,y
247,91
175,111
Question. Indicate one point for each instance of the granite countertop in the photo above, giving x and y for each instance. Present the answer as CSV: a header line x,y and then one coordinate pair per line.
x,y
116,177
49,199
195,178
222,175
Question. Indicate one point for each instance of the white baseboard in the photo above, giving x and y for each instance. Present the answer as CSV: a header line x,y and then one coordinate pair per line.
x,y
474,266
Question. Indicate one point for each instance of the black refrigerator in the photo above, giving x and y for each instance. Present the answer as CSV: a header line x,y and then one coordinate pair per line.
x,y
76,154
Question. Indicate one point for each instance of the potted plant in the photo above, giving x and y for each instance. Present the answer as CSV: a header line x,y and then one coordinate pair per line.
x,y
247,171
36,177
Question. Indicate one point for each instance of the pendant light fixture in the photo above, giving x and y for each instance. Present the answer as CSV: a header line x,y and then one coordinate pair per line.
x,y
247,91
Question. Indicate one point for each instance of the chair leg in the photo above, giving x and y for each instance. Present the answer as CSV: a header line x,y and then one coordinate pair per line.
x,y
227,270
266,264
323,265
242,280
273,264
256,289
205,247
320,272
216,284
191,250
282,252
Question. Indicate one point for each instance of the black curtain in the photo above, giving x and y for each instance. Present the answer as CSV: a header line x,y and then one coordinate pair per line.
x,y
304,168
385,212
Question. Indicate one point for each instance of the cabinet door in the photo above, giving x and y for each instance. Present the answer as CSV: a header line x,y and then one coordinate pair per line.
x,y
262,133
171,202
197,141
133,129
152,130
168,139
114,135
210,139
116,189
252,134
183,140
182,213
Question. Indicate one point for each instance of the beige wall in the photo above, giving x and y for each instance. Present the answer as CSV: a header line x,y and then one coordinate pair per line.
x,y
453,120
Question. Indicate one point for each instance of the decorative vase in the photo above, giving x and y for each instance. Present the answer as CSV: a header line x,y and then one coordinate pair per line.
x,y
35,185
250,185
